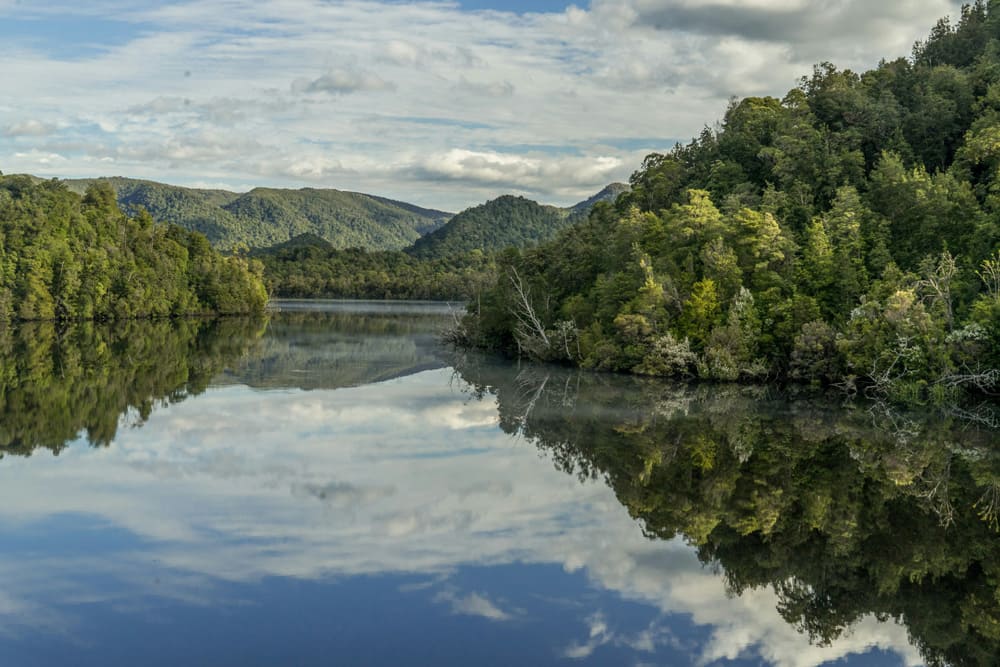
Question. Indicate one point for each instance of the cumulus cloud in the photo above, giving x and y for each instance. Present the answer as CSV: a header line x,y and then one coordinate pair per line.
x,y
313,92
599,635
412,54
301,166
806,27
647,640
506,170
209,146
40,158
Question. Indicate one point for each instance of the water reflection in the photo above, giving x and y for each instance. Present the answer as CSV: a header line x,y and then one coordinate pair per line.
x,y
844,511
333,344
58,382
383,507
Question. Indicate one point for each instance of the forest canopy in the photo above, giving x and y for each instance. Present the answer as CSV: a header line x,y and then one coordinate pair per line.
x,y
846,233
69,257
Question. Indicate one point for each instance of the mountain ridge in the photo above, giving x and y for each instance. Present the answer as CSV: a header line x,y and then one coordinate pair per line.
x,y
505,221
267,216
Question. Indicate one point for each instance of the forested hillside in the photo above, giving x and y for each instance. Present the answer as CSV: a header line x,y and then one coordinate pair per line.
x,y
610,193
303,268
503,222
265,216
846,233
453,263
63,256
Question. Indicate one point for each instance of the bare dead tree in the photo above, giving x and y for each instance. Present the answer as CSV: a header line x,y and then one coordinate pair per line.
x,y
457,333
989,505
882,377
983,379
983,415
529,330
935,482
937,284
989,273
530,390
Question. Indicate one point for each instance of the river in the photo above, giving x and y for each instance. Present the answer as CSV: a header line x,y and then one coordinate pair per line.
x,y
332,486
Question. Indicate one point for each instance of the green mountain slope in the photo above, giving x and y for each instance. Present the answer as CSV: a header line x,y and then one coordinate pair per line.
x,y
609,194
267,216
506,221
453,263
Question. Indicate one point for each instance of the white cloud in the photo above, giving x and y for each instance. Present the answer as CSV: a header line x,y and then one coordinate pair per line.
x,y
485,88
40,158
320,93
506,170
29,128
473,604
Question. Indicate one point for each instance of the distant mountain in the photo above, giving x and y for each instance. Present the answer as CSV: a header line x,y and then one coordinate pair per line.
x,y
503,222
269,216
609,194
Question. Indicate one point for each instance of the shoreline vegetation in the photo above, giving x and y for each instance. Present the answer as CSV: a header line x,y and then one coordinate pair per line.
x,y
66,257
846,235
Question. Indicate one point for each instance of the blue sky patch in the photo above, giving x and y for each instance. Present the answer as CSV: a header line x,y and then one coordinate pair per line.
x,y
69,37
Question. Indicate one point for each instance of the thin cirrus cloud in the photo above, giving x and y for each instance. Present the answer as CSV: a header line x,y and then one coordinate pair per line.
x,y
311,93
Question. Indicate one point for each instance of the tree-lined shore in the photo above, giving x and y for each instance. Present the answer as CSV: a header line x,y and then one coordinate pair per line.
x,y
64,256
846,234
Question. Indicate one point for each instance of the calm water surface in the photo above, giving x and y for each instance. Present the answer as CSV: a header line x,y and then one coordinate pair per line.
x,y
332,487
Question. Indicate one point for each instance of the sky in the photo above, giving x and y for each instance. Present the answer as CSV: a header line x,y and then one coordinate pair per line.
x,y
443,104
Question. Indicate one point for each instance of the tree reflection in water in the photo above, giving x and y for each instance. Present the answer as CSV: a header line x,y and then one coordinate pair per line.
x,y
846,510
57,383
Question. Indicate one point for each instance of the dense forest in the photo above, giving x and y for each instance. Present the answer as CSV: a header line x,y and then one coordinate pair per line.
x,y
66,257
846,513
847,233
266,216
309,267
455,262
